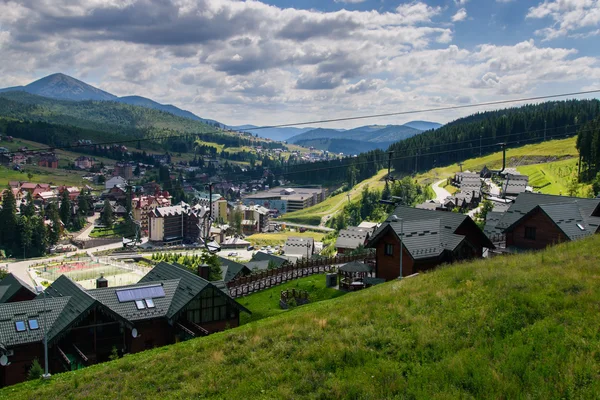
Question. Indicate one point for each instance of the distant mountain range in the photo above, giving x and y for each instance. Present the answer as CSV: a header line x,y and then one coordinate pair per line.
x,y
361,139
63,87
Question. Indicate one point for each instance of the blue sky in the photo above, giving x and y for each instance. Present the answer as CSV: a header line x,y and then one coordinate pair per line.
x,y
281,61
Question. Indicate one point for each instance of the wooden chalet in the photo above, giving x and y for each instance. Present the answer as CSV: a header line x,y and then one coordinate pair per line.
x,y
535,221
13,289
429,238
352,238
85,326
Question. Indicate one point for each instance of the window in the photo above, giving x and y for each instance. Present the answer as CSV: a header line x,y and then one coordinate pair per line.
x,y
33,324
389,249
20,325
530,232
149,303
140,304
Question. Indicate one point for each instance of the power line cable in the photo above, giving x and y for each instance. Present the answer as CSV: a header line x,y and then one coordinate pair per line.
x,y
360,117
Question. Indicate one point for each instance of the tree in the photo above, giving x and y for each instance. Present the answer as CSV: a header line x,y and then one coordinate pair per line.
x,y
8,221
215,273
54,230
573,186
25,232
107,214
83,204
35,371
236,219
39,236
28,208
65,208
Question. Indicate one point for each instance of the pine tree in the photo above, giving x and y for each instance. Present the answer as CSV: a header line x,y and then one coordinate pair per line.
x,y
8,221
65,208
107,214
54,230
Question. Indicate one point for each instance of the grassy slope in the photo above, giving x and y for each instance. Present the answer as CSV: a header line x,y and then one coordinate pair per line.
x,y
515,157
521,326
552,178
273,239
312,215
266,303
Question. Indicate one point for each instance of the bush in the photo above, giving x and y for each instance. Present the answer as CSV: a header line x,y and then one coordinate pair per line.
x,y
36,371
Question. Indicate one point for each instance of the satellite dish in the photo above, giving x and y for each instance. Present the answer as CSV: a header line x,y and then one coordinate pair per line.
x,y
134,333
3,360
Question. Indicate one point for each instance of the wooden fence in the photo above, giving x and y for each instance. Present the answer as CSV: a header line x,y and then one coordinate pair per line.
x,y
269,278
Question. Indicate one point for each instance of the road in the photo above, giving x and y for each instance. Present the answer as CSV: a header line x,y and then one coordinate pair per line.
x,y
440,192
311,227
85,234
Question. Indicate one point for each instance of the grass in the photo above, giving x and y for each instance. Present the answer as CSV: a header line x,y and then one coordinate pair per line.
x,y
521,326
278,238
117,231
529,154
451,189
313,215
552,178
266,303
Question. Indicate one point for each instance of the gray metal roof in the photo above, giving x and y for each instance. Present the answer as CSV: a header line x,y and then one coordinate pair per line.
x,y
10,285
299,245
355,266
352,238
230,269
427,233
262,256
491,221
588,209
10,313
128,309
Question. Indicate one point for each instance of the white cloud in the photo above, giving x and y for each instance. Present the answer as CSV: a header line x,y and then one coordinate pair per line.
x,y
568,16
349,1
250,62
460,15
461,2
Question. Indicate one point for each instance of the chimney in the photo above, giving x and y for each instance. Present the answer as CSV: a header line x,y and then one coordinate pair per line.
x,y
203,271
101,282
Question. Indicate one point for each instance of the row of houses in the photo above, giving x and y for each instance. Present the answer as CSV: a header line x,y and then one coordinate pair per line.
x,y
85,327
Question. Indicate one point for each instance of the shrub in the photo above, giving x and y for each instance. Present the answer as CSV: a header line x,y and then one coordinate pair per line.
x,y
36,371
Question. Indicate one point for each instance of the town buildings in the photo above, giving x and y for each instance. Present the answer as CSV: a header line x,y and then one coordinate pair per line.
x,y
123,169
299,247
84,162
85,327
177,224
48,160
287,199
142,205
352,238
115,181
429,238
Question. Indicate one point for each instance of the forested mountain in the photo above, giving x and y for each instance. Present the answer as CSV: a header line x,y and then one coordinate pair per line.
x,y
460,139
148,103
370,133
63,87
279,134
97,115
423,125
345,146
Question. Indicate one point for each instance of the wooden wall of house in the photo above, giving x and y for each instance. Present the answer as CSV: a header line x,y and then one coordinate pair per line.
x,y
547,233
152,333
219,326
20,363
388,267
22,295
473,234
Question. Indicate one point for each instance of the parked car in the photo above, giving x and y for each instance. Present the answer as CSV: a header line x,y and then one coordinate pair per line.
x,y
250,248
233,254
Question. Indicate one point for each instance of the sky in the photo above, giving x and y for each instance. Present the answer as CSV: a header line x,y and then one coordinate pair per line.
x,y
284,61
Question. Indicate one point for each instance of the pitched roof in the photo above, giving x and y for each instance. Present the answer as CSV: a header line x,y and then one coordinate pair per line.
x,y
128,309
491,221
352,237
355,266
10,285
298,245
79,303
262,256
526,202
189,287
427,233
231,269
24,311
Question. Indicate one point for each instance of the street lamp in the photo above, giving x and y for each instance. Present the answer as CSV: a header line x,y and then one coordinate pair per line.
x,y
40,289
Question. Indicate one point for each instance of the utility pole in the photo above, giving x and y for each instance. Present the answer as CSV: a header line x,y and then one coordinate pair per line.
x,y
460,164
389,165
480,135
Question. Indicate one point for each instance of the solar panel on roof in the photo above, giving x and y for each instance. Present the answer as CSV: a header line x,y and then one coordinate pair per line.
x,y
140,293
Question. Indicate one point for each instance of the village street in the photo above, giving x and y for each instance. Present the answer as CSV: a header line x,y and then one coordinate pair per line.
x,y
440,192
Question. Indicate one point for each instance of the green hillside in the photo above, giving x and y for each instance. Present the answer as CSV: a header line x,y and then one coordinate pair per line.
x,y
511,327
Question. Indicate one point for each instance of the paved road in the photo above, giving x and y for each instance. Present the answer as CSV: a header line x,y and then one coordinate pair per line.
x,y
311,227
85,234
440,192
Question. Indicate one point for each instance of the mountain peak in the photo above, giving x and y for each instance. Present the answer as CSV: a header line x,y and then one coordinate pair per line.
x,y
65,87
